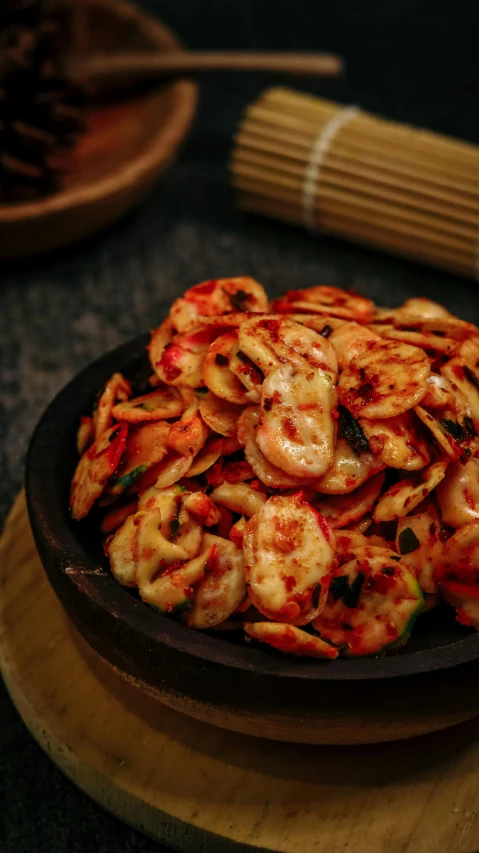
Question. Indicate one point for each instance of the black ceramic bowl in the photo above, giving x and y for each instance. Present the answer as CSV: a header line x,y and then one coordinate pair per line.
x,y
432,683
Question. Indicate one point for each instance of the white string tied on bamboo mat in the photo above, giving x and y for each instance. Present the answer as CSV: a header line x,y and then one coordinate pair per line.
x,y
319,150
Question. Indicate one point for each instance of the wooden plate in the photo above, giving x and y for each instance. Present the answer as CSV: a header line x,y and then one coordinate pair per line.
x,y
123,153
194,787
433,683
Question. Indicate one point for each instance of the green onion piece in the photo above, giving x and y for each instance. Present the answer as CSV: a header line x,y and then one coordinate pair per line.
x,y
127,480
238,300
408,541
181,607
456,430
471,376
350,429
316,595
340,588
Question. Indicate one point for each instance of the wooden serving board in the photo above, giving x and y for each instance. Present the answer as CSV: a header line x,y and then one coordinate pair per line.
x,y
196,787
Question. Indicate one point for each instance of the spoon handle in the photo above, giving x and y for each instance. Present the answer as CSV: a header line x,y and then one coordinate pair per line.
x,y
127,68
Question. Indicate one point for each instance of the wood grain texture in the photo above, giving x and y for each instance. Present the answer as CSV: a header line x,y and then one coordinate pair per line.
x,y
188,784
126,148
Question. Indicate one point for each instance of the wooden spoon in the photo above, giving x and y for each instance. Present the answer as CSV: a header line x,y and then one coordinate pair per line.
x,y
122,69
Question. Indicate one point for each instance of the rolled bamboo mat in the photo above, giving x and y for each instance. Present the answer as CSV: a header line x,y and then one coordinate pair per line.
x,y
337,169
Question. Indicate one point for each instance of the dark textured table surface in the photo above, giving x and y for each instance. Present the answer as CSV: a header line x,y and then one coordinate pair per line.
x,y
412,60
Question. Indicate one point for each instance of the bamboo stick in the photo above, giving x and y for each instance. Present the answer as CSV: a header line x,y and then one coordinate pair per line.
x,y
379,146
410,180
387,241
373,181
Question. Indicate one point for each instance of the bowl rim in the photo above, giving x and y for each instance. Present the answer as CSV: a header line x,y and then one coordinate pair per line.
x,y
145,164
54,533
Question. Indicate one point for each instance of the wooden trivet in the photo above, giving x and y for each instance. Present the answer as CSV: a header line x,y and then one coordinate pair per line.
x,y
196,787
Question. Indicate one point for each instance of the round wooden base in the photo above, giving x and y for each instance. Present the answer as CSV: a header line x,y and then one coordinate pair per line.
x,y
196,787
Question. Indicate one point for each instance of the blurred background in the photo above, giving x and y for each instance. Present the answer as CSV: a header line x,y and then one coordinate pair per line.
x,y
414,61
